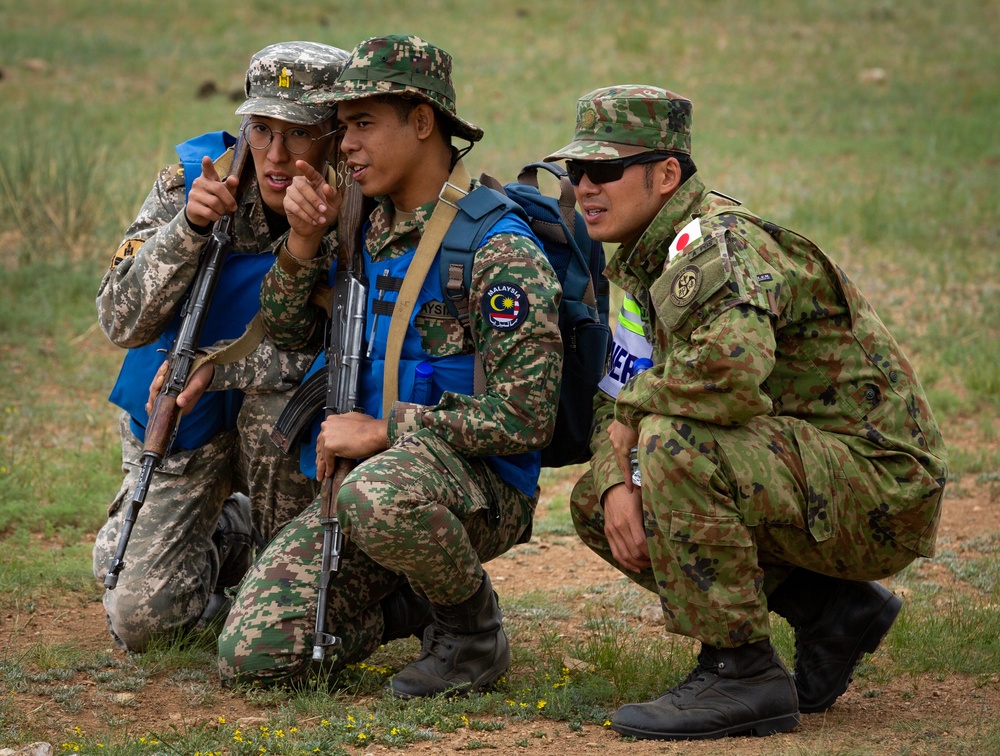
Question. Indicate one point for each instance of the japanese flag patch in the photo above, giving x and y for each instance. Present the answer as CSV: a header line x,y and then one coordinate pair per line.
x,y
690,233
505,306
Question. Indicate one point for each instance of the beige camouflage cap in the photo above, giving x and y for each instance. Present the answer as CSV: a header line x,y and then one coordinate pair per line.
x,y
400,65
627,119
281,75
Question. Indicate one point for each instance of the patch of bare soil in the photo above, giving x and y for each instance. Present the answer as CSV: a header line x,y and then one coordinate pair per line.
x,y
903,714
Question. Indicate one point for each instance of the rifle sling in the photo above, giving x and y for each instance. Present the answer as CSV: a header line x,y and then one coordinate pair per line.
x,y
455,188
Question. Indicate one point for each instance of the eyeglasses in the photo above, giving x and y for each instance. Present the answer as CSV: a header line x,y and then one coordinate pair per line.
x,y
297,140
606,171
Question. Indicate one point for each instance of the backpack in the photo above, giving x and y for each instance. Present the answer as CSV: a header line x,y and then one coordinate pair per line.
x,y
578,261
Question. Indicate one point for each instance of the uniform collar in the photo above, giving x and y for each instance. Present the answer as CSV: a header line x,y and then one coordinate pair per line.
x,y
384,229
644,259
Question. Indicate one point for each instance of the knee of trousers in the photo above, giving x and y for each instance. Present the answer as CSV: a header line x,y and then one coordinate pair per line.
x,y
142,610
252,652
244,660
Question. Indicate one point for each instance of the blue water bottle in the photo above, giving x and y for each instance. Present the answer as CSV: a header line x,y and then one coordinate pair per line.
x,y
423,383
641,364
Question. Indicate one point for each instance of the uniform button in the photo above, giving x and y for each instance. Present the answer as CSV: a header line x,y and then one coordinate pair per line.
x,y
892,376
870,395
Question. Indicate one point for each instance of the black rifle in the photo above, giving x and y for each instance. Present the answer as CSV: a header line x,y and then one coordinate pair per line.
x,y
346,336
335,390
163,421
344,359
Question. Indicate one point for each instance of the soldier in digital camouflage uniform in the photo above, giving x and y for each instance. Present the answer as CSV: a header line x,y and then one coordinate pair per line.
x,y
192,538
445,482
787,453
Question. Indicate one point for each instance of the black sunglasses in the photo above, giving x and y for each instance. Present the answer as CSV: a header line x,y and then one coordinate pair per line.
x,y
606,171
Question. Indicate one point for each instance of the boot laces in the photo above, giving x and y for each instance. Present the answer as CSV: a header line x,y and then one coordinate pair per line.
x,y
437,643
699,674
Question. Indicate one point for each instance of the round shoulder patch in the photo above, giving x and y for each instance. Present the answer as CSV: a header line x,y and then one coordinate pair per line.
x,y
126,250
685,286
505,306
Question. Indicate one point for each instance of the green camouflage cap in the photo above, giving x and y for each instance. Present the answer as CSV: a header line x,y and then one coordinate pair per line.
x,y
400,65
624,120
281,75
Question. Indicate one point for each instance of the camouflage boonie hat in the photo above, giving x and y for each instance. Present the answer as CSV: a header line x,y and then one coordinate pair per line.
x,y
281,75
400,65
621,121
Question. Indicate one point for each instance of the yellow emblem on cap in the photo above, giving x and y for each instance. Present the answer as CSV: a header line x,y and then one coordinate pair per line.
x,y
589,118
285,79
685,285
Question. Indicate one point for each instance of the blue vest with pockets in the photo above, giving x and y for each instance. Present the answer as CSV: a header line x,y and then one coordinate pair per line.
x,y
454,373
235,303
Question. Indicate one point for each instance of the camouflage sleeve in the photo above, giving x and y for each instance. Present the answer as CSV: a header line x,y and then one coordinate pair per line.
x,y
522,357
720,346
266,368
152,267
290,319
603,464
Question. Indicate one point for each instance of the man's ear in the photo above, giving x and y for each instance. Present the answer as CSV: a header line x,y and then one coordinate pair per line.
x,y
423,121
671,177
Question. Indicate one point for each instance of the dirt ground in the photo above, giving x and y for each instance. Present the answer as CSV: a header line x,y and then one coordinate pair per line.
x,y
919,709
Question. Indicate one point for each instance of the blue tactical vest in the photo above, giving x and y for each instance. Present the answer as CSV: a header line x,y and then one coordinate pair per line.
x,y
454,373
236,301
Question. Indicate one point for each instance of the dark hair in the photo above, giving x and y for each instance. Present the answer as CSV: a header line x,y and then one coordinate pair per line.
x,y
688,168
404,105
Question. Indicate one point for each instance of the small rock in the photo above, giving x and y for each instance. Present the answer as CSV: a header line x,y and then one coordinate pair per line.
x,y
873,76
575,665
34,749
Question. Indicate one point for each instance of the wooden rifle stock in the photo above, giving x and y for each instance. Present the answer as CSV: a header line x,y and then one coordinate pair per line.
x,y
166,415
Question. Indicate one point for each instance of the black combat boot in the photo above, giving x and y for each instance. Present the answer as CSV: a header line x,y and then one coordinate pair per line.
x,y
234,540
464,649
404,614
732,691
836,622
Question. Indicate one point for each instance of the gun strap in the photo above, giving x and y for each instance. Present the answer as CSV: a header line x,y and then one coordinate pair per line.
x,y
234,350
454,189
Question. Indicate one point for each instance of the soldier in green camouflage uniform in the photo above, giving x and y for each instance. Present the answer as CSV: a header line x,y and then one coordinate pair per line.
x,y
787,453
436,493
192,538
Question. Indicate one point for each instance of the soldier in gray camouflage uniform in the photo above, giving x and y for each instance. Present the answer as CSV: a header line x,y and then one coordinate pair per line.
x,y
192,539
788,457
446,482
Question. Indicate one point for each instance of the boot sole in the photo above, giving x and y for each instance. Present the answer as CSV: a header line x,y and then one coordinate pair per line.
x,y
457,691
760,728
482,684
867,644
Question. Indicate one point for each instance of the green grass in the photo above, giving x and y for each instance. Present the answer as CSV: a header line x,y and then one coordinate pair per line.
x,y
609,666
894,174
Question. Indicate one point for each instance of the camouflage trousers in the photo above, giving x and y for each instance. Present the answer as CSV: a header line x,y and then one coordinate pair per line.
x,y
729,513
172,564
418,512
